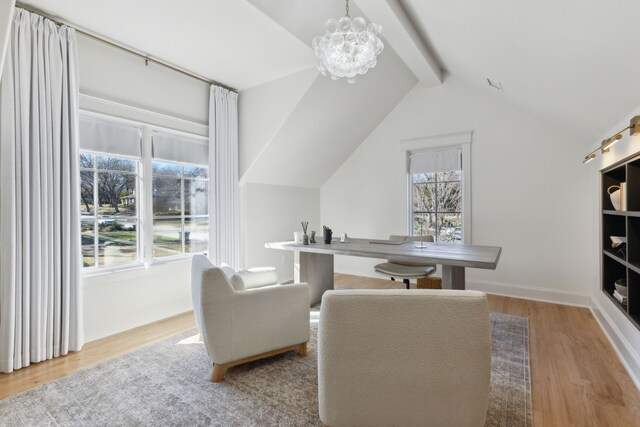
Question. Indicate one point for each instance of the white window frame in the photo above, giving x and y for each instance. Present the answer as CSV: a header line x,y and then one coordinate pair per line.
x,y
462,140
182,215
95,171
148,122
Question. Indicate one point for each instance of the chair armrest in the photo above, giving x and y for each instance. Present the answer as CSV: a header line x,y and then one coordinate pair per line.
x,y
270,318
256,277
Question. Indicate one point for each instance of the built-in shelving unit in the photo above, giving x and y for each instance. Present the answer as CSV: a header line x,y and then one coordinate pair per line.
x,y
616,265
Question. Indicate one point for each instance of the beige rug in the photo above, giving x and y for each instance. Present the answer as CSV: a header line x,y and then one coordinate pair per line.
x,y
167,384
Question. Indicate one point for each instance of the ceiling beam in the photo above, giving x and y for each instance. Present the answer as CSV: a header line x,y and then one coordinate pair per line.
x,y
400,32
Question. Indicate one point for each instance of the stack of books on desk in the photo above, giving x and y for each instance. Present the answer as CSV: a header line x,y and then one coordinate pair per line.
x,y
617,295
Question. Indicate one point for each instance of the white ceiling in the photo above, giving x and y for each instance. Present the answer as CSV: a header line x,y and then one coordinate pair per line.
x,y
229,41
573,62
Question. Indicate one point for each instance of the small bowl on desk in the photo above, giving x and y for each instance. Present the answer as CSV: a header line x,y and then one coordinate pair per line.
x,y
621,287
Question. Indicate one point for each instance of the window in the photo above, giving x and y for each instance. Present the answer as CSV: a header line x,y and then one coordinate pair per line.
x,y
180,209
127,218
109,214
436,180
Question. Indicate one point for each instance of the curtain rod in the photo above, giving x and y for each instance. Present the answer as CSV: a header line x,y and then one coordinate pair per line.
x,y
112,43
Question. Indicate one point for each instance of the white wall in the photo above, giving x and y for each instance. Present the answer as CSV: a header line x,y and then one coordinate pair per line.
x,y
624,336
273,213
115,75
528,192
118,301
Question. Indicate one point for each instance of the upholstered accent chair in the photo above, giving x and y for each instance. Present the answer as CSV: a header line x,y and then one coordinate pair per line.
x,y
404,358
241,320
405,270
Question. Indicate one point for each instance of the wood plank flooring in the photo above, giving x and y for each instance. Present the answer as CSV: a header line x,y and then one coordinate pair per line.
x,y
577,379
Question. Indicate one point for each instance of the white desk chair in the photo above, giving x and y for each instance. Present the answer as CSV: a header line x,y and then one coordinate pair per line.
x,y
405,270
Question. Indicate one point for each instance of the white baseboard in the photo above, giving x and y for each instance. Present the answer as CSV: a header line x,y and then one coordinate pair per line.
x,y
499,288
627,355
530,292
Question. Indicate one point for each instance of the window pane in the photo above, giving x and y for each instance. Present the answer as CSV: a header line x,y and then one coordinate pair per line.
x,y
86,160
450,197
196,197
86,193
450,228
450,176
196,235
427,222
424,197
424,177
167,237
117,242
115,164
167,200
195,172
166,169
116,194
88,243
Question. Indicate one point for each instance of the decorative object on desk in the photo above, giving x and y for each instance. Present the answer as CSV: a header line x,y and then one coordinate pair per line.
x,y
621,287
618,195
305,237
326,234
297,237
421,245
312,238
344,238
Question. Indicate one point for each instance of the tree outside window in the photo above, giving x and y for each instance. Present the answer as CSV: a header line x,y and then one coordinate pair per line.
x,y
108,210
437,205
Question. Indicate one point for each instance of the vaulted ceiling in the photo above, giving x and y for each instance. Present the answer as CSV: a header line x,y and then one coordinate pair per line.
x,y
571,63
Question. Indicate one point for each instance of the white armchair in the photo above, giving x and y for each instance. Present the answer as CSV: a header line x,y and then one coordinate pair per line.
x,y
404,358
239,326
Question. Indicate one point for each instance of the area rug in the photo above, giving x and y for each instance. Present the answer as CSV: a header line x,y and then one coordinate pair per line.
x,y
167,384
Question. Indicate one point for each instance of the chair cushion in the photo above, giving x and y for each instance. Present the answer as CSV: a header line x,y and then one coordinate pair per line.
x,y
404,271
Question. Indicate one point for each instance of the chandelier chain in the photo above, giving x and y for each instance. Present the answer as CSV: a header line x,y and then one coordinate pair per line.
x,y
346,8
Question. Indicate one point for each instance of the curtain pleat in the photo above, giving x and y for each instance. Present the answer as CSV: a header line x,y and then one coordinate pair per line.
x,y
40,262
223,166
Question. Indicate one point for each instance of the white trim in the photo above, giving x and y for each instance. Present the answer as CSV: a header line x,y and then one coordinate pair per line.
x,y
436,141
530,292
138,115
456,139
629,358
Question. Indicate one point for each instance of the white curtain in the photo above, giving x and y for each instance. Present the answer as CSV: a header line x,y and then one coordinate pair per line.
x,y
6,13
223,168
40,257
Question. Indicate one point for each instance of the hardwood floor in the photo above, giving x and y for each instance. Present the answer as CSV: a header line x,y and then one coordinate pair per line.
x,y
577,379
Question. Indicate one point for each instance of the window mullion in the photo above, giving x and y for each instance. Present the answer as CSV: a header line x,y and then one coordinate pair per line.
x,y
96,200
147,195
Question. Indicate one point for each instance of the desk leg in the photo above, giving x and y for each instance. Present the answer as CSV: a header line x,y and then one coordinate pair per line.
x,y
316,270
453,277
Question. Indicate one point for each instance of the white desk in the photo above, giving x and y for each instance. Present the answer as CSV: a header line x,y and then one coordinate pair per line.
x,y
316,259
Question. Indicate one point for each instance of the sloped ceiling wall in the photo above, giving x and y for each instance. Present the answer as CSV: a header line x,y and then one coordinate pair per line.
x,y
331,118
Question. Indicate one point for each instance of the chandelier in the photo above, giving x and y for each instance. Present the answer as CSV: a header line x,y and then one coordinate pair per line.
x,y
348,48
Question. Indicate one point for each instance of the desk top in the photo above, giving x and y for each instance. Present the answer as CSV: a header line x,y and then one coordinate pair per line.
x,y
453,254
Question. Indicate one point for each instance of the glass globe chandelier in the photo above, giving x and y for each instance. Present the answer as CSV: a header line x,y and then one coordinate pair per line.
x,y
348,48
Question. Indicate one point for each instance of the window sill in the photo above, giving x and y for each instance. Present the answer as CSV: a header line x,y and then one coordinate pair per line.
x,y
102,271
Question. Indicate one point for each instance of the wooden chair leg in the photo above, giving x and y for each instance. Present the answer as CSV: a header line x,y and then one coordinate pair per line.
x,y
302,350
218,372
